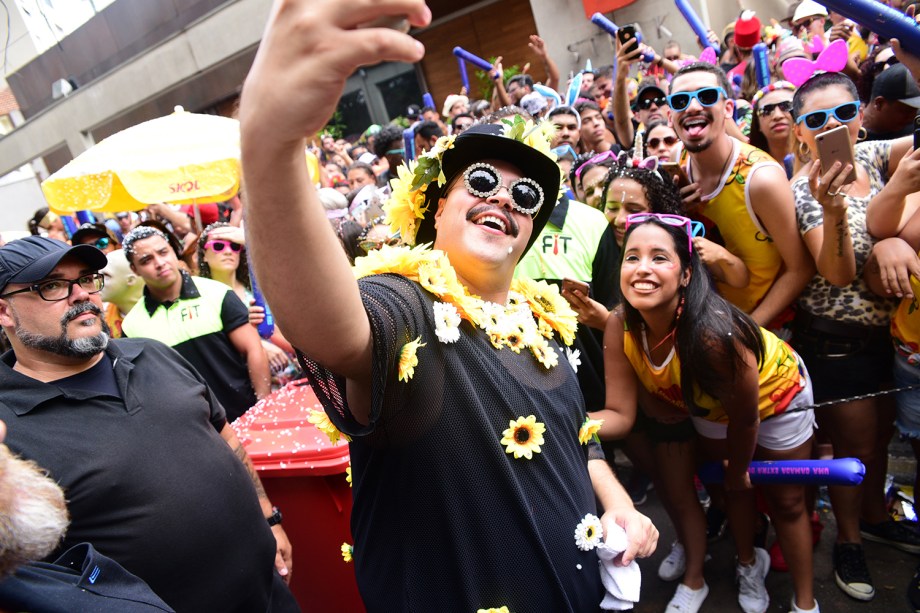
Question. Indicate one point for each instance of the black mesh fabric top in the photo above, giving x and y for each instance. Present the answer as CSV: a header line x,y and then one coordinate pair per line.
x,y
444,519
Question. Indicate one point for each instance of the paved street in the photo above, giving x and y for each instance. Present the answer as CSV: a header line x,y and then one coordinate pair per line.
x,y
891,569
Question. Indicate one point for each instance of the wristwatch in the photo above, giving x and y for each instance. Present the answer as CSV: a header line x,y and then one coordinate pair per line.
x,y
275,518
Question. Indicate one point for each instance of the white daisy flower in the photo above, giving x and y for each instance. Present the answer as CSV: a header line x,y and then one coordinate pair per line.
x,y
589,533
574,357
446,322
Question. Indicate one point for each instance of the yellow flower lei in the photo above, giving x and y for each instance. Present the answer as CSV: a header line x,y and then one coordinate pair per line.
x,y
405,207
431,269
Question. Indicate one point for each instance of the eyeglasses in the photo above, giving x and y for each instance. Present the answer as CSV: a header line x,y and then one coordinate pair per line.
x,y
54,290
844,113
395,152
370,244
706,96
646,103
484,180
765,110
654,143
102,243
597,159
217,246
672,220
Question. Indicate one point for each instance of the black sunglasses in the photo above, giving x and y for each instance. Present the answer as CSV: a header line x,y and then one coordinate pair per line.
x,y
765,110
877,66
646,103
484,180
653,143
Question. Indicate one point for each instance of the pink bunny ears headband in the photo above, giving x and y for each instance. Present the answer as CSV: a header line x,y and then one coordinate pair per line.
x,y
797,70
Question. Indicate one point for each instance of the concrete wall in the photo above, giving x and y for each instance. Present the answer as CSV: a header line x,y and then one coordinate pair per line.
x,y
20,197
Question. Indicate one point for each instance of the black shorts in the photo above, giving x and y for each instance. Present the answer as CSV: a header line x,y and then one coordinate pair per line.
x,y
843,359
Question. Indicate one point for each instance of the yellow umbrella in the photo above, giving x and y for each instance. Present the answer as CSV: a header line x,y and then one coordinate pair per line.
x,y
183,158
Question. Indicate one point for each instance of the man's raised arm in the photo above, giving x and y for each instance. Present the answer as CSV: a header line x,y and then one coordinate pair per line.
x,y
309,49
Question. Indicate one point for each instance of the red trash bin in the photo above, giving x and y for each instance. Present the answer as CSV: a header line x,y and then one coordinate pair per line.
x,y
304,476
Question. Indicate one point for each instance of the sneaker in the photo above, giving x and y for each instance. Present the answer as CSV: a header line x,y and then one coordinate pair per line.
x,y
715,524
913,591
851,572
701,494
795,609
752,593
687,600
673,566
895,533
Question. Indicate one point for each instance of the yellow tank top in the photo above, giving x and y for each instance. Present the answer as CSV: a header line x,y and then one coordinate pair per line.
x,y
905,325
781,378
728,214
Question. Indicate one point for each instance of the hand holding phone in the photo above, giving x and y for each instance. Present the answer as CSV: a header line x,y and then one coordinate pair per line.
x,y
835,146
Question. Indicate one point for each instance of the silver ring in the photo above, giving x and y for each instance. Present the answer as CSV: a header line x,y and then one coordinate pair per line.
x,y
834,193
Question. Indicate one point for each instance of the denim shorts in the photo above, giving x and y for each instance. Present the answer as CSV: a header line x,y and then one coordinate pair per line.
x,y
849,363
908,402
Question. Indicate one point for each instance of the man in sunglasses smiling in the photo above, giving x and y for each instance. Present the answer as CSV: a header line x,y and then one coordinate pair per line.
x,y
742,191
402,363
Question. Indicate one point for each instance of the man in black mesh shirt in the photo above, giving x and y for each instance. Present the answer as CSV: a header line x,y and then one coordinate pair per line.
x,y
473,481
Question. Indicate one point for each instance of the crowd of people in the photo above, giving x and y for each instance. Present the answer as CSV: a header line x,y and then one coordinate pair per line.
x,y
672,261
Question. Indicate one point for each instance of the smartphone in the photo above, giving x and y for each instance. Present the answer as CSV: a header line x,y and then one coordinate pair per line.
x,y
627,33
569,285
916,132
674,169
835,146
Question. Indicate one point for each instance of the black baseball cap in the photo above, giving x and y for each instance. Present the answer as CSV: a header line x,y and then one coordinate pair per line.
x,y
90,230
31,259
896,83
649,86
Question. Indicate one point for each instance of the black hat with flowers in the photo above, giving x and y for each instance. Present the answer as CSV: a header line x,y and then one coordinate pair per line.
x,y
420,185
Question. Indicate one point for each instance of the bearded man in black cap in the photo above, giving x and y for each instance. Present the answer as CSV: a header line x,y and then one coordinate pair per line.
x,y
474,482
154,477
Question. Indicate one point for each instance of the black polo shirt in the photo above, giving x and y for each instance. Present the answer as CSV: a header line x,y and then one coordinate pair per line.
x,y
148,479
197,325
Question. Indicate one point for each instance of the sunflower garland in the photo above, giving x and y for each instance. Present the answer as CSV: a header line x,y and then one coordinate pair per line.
x,y
534,312
494,610
347,552
523,437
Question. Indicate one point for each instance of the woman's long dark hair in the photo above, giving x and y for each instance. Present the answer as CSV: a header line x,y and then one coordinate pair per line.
x,y
707,327
204,270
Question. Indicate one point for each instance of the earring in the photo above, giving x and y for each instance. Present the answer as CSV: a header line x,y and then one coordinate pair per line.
x,y
680,306
803,151
862,135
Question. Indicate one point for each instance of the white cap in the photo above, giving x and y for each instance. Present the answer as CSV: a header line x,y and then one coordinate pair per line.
x,y
451,101
808,8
